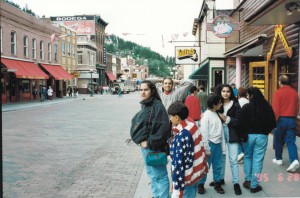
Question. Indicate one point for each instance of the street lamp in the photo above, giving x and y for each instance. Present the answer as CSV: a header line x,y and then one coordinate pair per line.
x,y
91,71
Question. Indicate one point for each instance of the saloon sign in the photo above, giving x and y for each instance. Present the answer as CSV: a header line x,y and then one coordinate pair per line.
x,y
223,26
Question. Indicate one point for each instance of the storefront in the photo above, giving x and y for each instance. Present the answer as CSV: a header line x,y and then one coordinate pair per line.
x,y
210,73
57,79
20,80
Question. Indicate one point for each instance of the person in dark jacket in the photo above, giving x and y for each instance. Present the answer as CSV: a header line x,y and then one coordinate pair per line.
x,y
256,121
229,114
150,128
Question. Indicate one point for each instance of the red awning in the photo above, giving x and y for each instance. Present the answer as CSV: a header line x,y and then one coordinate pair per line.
x,y
24,69
57,72
111,76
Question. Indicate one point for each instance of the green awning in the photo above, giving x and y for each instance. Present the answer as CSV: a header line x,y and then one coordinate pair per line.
x,y
201,73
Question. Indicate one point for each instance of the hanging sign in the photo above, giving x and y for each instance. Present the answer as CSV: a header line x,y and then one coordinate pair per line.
x,y
187,55
222,26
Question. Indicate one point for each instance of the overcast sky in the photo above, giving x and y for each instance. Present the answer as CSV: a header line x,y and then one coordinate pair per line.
x,y
149,22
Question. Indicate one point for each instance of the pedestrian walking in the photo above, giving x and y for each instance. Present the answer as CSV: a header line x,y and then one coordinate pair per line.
x,y
41,93
70,91
150,128
202,96
75,91
187,153
45,93
50,93
229,114
119,92
34,92
170,95
212,133
286,107
193,105
235,91
256,120
212,91
242,98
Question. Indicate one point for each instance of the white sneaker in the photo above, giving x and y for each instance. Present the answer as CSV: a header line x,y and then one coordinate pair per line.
x,y
278,162
240,157
293,167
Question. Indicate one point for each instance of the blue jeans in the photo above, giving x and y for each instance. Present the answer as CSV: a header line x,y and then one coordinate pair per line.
x,y
285,132
240,149
190,191
159,178
255,150
233,156
215,159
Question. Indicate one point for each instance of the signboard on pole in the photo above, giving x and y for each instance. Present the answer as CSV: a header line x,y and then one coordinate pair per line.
x,y
187,55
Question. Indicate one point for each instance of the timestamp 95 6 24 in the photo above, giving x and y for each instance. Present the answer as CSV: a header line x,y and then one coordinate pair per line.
x,y
280,177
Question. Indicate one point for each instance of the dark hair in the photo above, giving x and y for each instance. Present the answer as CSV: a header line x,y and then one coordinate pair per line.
x,y
164,81
285,80
178,108
219,90
213,100
201,87
242,92
212,89
260,106
193,89
152,87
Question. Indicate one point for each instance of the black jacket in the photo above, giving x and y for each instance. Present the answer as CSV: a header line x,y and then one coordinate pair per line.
x,y
234,133
159,130
254,124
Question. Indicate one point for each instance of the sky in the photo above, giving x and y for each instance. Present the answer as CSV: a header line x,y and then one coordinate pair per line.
x,y
150,23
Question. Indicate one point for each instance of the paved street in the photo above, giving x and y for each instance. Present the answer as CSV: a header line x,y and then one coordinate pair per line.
x,y
71,148
74,149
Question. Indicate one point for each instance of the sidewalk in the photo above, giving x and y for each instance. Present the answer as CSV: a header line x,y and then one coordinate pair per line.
x,y
275,180
36,104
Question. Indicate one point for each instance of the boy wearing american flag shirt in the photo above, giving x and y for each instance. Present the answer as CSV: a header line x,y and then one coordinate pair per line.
x,y
187,153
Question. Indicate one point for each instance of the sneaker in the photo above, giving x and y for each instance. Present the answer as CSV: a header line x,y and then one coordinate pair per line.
x,y
240,157
237,189
278,162
201,189
219,188
257,189
293,167
222,182
246,184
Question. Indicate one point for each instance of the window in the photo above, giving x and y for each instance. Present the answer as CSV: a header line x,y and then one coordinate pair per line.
x,y
80,61
1,33
73,50
33,48
55,52
13,40
63,49
69,49
49,52
25,43
42,50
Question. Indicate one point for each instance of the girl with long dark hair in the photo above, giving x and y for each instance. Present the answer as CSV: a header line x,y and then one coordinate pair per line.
x,y
256,121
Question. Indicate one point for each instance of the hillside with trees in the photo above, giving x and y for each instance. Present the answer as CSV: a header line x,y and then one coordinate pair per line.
x,y
158,65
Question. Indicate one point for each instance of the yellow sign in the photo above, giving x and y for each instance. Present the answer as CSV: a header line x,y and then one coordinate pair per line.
x,y
134,75
75,74
278,32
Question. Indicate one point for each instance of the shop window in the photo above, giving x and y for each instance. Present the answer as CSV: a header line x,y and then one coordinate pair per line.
x,y
13,44
24,86
80,61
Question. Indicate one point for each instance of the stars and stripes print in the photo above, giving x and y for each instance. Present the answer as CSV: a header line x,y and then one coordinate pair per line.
x,y
182,154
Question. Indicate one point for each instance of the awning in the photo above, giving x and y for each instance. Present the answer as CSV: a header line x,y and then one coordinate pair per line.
x,y
201,73
251,43
57,72
24,69
111,76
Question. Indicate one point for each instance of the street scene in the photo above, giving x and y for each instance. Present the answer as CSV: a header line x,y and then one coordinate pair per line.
x,y
48,153
150,99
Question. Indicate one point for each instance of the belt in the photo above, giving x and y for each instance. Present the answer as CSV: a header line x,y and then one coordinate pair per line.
x,y
294,117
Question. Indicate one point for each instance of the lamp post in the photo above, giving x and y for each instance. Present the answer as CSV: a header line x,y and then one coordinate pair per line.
x,y
91,71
